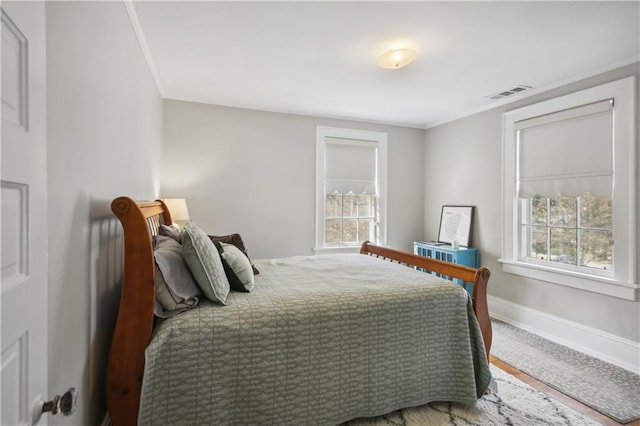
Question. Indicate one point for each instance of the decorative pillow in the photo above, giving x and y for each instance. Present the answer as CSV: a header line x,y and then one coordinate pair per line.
x,y
170,231
168,303
205,263
236,266
234,282
236,240
175,287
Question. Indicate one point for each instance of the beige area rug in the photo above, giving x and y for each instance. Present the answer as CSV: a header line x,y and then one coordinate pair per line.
x,y
515,403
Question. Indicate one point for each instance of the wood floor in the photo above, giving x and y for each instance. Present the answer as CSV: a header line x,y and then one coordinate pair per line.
x,y
557,395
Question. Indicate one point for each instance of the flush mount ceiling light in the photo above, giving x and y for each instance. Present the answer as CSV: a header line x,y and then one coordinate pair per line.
x,y
396,58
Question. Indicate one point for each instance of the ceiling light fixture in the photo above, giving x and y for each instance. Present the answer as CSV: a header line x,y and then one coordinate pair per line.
x,y
396,58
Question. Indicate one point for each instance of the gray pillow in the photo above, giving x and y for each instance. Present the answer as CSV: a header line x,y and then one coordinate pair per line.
x,y
236,240
204,262
240,266
169,304
174,283
170,231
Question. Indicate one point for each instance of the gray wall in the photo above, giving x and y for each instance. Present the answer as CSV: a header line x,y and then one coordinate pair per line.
x,y
104,140
253,172
463,165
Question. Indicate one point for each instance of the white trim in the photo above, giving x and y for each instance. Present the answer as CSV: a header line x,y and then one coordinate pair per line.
x,y
137,28
323,132
610,348
623,92
601,285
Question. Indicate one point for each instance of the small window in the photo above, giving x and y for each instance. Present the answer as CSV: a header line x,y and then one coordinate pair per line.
x,y
351,188
569,185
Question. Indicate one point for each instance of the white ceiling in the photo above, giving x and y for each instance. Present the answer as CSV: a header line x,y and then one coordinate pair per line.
x,y
319,58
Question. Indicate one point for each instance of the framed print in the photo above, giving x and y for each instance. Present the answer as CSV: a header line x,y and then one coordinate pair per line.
x,y
455,225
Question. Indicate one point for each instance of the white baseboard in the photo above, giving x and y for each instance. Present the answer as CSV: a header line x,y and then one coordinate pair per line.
x,y
599,344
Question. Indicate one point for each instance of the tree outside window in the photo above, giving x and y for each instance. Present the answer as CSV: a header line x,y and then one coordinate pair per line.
x,y
349,218
568,230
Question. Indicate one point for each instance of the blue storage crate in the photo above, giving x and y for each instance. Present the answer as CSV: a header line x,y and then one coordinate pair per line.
x,y
462,256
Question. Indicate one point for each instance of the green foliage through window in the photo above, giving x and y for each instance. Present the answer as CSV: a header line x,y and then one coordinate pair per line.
x,y
349,218
568,230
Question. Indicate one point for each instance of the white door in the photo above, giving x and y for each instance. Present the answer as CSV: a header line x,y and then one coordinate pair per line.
x,y
23,202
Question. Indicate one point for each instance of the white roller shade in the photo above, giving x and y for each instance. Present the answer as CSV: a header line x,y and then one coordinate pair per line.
x,y
350,166
568,152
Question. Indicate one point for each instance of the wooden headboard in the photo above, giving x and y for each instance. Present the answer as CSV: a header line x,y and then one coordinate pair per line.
x,y
137,301
132,334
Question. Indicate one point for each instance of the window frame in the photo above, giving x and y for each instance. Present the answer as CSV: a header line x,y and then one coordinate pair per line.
x,y
380,139
622,284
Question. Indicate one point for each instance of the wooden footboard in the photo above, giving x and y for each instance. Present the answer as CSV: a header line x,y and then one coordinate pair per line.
x,y
478,277
132,334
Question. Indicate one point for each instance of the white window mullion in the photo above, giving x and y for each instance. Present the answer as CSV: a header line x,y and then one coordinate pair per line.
x,y
548,229
578,233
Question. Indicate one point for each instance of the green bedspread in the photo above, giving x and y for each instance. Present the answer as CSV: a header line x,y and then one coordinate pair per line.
x,y
320,340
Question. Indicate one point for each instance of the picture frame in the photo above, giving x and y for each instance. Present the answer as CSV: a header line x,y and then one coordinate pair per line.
x,y
455,225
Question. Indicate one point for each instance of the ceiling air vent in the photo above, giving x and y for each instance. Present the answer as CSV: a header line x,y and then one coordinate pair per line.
x,y
510,92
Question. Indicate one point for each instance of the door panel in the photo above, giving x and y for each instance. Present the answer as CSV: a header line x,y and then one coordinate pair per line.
x,y
14,73
14,389
23,209
14,234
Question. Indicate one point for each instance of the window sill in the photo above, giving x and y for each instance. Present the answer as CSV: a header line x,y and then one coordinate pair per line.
x,y
602,285
337,250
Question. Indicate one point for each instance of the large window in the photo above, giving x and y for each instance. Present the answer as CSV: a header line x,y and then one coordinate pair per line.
x,y
569,190
350,187
575,232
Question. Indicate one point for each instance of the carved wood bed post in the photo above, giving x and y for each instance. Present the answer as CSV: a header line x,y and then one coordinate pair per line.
x,y
481,307
135,316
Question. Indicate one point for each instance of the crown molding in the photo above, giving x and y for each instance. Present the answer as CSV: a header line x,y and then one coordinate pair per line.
x,y
137,28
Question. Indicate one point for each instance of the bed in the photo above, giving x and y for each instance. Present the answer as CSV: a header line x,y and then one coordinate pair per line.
x,y
319,340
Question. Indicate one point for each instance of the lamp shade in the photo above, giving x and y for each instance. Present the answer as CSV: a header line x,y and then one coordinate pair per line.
x,y
178,209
